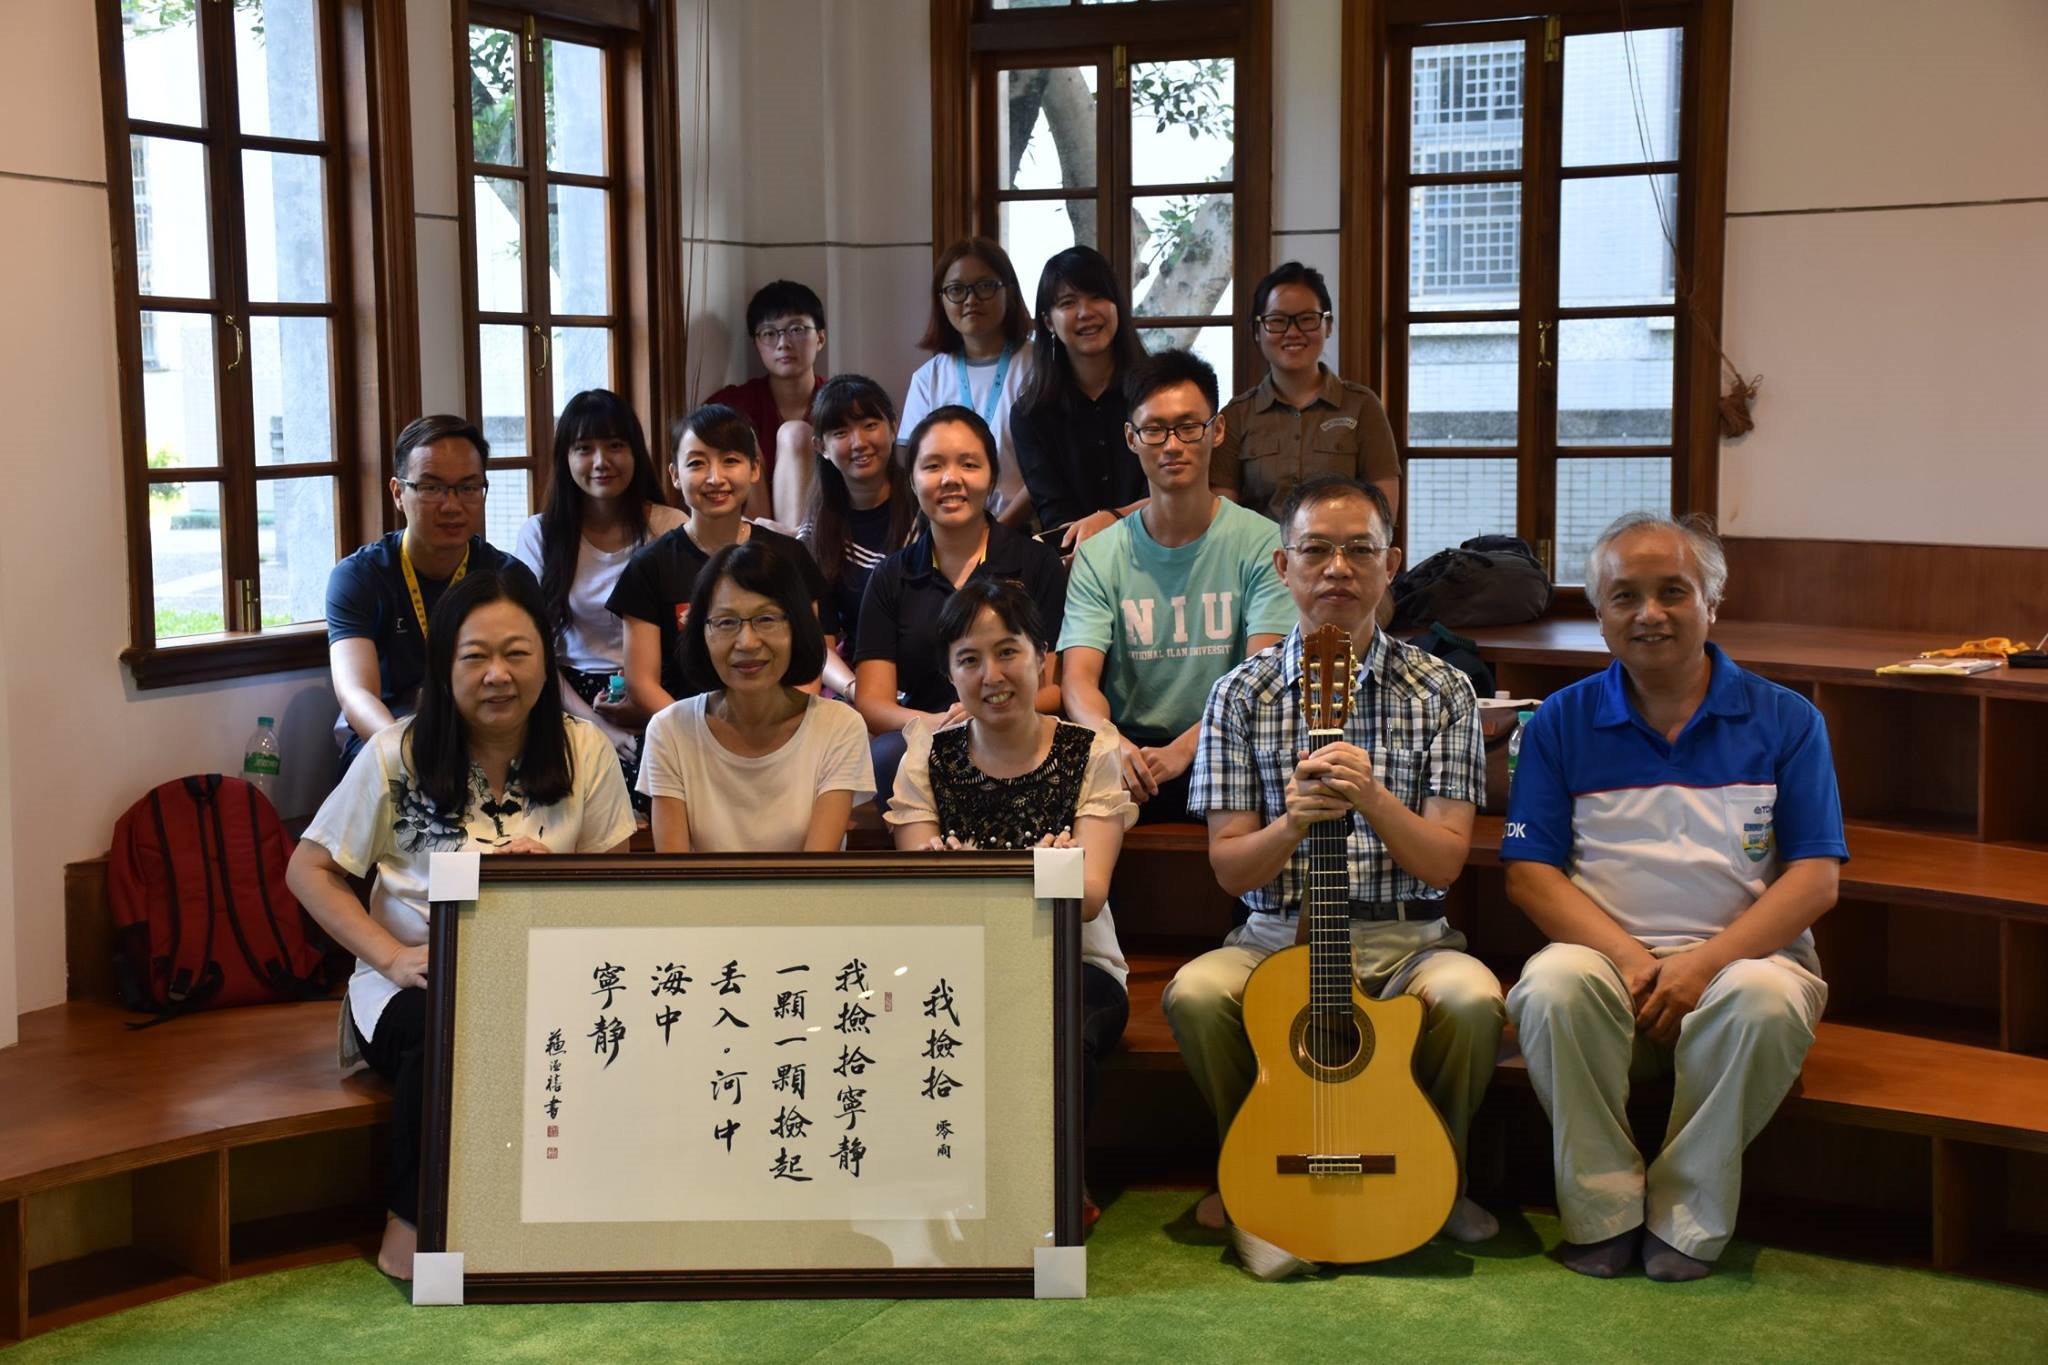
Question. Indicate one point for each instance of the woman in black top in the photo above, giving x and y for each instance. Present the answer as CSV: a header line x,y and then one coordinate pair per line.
x,y
1068,424
861,508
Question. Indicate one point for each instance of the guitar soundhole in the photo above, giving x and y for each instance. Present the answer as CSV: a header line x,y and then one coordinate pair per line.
x,y
1331,1047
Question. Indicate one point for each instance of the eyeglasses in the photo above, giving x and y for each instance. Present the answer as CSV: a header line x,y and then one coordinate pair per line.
x,y
1276,324
958,290
434,491
773,336
1189,432
1316,552
766,624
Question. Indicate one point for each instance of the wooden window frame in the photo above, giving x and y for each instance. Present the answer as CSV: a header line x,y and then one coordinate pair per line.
x,y
972,41
363,281
1375,150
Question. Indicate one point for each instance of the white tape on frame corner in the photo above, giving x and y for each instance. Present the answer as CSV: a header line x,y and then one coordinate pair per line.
x,y
437,1279
453,876
1059,1272
1056,874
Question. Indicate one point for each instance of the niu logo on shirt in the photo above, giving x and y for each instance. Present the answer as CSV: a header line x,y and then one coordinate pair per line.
x,y
1219,621
682,615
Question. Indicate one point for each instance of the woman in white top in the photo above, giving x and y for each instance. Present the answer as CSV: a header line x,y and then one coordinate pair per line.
x,y
752,763
1011,777
604,502
980,321
489,762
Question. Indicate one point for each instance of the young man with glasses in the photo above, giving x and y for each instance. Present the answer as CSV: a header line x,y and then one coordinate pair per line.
x,y
1170,597
1406,778
378,598
1301,421
787,322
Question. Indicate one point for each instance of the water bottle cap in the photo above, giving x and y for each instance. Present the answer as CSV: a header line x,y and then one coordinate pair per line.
x,y
1501,695
1524,716
265,720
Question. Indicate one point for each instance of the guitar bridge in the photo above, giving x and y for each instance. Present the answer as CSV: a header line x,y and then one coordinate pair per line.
x,y
1333,1163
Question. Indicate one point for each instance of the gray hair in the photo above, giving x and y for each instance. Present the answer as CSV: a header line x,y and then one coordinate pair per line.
x,y
1698,530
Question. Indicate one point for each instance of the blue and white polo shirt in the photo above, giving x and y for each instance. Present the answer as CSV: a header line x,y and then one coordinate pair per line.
x,y
1676,840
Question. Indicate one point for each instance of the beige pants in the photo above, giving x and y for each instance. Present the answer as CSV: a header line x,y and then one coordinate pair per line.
x,y
1204,1005
1737,1054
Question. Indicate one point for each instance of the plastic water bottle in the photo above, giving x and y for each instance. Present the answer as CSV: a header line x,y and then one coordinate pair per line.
x,y
1515,743
262,759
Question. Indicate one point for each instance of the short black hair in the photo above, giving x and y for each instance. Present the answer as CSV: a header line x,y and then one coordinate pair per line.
x,y
1005,597
1164,369
1290,272
845,398
763,568
717,426
781,299
966,417
1328,488
424,431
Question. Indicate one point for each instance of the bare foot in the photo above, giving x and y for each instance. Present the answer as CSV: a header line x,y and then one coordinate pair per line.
x,y
1209,1213
401,1240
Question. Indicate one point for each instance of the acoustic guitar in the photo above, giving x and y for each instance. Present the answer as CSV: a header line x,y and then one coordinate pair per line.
x,y
1337,1154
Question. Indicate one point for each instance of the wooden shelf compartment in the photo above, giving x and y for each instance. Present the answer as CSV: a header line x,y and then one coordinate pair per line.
x,y
100,1245
1991,1212
2014,772
303,1199
1924,972
1904,757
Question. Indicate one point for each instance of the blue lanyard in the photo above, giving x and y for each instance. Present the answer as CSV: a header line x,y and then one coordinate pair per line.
x,y
995,390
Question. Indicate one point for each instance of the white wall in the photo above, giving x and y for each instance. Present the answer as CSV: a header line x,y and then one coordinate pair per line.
x,y
77,743
1308,167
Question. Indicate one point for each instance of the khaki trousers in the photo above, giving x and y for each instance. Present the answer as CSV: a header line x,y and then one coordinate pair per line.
x,y
1737,1054
1204,1005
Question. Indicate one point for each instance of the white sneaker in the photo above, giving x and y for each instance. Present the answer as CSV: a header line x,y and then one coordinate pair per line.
x,y
1264,1261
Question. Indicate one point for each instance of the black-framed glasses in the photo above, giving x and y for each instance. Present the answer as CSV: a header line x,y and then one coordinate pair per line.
x,y
1314,552
1308,324
1189,431
433,490
958,290
773,336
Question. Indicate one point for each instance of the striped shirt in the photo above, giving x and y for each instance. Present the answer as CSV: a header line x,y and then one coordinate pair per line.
x,y
1413,713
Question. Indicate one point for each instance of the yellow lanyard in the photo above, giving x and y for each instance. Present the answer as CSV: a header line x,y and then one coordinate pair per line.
x,y
412,583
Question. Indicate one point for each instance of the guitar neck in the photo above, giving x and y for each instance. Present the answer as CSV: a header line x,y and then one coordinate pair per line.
x,y
1327,904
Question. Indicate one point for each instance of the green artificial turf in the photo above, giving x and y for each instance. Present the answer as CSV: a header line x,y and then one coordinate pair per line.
x,y
1159,1289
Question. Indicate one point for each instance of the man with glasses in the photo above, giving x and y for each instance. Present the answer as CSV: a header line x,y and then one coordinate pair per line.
x,y
1172,597
378,598
787,322
1301,421
1406,778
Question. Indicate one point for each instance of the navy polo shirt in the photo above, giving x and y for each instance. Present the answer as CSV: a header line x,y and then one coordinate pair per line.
x,y
367,600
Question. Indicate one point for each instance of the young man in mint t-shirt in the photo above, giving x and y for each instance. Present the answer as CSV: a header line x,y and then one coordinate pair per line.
x,y
1172,597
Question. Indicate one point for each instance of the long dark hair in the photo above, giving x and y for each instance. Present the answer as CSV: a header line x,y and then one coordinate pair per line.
x,y
592,415
438,737
764,568
841,401
940,335
1087,271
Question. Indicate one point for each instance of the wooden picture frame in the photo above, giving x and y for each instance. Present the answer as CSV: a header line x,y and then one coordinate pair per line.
x,y
1029,951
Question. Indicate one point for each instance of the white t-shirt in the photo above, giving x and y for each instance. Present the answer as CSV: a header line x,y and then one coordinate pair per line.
x,y
595,640
755,805
376,817
1102,793
937,383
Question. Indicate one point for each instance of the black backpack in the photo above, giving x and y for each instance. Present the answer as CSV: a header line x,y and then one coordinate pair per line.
x,y
1487,581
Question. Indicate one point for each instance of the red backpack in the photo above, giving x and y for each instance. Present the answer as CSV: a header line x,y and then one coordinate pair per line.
x,y
202,918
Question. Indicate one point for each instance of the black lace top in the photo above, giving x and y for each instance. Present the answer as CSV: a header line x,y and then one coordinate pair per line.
x,y
1008,812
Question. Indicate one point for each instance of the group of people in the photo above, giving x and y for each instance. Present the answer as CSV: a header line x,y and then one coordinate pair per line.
x,y
1070,598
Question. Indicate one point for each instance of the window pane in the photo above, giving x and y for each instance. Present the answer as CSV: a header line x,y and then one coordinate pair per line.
x,y
173,248
505,506
277,65
1183,121
582,360
493,100
293,390
575,106
1213,344
578,246
179,414
1614,381
501,366
1621,96
160,49
1034,229
1466,112
287,227
1464,247
1462,383
1451,501
1592,493
500,277
185,558
1180,255
1045,129
296,549
1613,248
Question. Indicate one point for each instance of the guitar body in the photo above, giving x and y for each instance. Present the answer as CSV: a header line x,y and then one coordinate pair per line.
x,y
1380,1173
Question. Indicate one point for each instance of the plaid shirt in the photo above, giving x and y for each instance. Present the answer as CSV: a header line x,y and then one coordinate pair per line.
x,y
1413,713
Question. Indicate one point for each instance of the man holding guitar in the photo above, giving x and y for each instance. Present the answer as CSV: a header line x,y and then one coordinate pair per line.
x,y
1393,796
